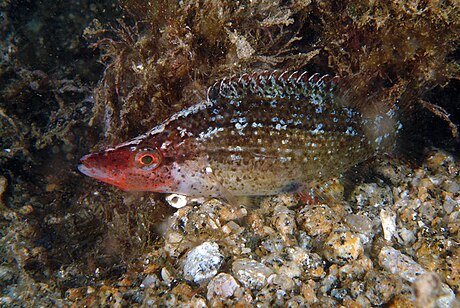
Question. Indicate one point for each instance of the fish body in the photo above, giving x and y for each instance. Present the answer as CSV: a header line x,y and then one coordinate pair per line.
x,y
260,134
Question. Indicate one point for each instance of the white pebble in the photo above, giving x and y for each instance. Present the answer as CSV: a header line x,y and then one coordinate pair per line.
x,y
202,262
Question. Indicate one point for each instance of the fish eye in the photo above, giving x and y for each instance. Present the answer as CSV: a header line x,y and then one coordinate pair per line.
x,y
148,159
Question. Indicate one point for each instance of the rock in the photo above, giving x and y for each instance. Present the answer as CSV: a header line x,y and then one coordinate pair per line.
x,y
452,273
451,186
291,269
283,282
342,247
202,262
284,220
355,271
317,220
296,301
223,286
359,223
151,281
372,194
399,264
449,204
166,276
252,274
314,266
380,287
405,237
431,292
388,219
308,292
330,280
175,243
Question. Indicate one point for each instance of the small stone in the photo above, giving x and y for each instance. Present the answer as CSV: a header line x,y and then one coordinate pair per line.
x,y
183,290
452,274
342,247
380,287
284,220
356,270
451,186
431,292
202,262
26,210
449,204
296,301
283,281
291,269
330,280
372,194
388,219
175,243
317,220
399,264
151,281
308,292
223,286
250,273
314,266
405,237
359,223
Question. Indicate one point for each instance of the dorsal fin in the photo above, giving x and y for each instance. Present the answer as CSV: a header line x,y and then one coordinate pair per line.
x,y
272,84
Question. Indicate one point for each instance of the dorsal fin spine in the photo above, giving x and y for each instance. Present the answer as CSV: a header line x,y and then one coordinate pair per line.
x,y
272,83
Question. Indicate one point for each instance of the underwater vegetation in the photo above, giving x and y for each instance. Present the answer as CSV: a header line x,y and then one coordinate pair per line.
x,y
79,77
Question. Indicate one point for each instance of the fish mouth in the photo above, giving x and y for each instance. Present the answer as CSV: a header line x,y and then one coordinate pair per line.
x,y
91,171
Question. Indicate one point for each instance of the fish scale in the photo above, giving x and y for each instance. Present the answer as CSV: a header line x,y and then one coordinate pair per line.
x,y
259,134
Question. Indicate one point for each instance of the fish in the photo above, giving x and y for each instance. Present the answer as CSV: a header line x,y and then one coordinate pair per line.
x,y
264,133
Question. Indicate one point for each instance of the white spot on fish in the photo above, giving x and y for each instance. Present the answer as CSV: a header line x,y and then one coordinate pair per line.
x,y
318,129
209,133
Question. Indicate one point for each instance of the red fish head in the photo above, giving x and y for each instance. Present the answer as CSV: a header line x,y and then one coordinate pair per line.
x,y
129,168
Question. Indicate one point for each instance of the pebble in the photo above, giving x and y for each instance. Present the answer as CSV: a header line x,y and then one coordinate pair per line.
x,y
399,264
175,243
388,219
308,292
405,237
451,186
343,247
284,220
223,285
431,292
252,274
379,287
151,281
202,262
371,194
317,220
449,204
355,270
282,281
314,266
359,223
